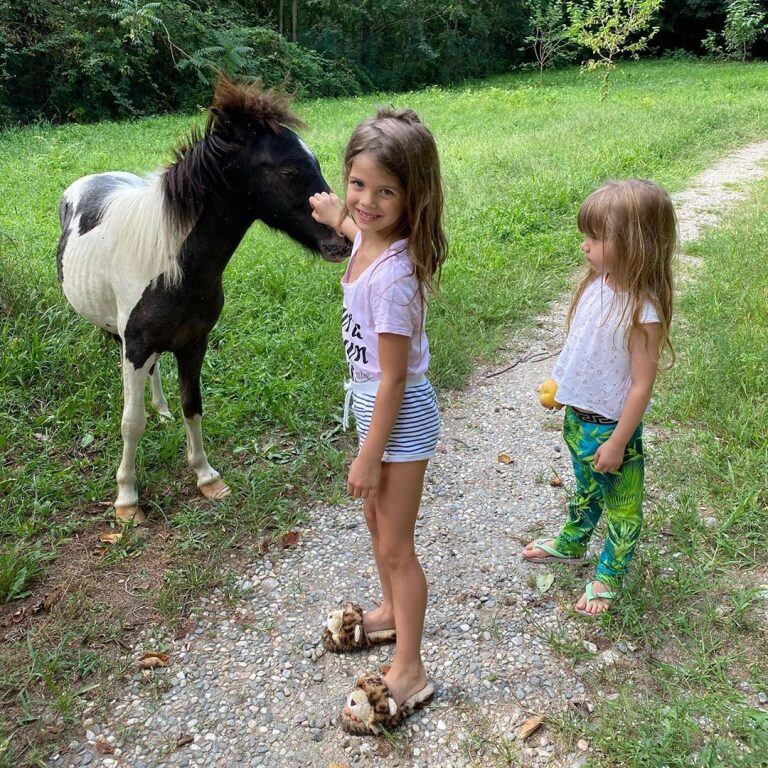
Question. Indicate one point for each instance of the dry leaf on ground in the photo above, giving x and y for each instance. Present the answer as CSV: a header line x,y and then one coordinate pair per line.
x,y
183,739
505,458
383,748
52,598
556,481
110,538
290,539
529,726
152,659
103,747
187,627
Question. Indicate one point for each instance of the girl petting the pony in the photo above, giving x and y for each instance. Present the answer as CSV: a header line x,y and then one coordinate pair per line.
x,y
393,213
618,326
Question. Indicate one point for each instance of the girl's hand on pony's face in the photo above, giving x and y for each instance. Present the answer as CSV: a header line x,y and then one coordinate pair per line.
x,y
326,208
609,456
363,478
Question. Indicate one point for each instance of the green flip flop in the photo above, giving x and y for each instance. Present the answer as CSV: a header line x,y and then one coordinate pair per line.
x,y
591,595
552,555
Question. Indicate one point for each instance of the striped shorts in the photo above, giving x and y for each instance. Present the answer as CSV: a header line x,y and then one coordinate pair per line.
x,y
415,432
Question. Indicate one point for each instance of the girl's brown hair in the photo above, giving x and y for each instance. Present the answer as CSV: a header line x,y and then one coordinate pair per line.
x,y
405,147
636,222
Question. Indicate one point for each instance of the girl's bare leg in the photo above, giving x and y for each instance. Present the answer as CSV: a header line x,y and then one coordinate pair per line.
x,y
382,617
397,506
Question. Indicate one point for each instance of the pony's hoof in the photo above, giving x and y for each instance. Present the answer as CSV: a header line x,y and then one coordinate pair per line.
x,y
216,490
133,515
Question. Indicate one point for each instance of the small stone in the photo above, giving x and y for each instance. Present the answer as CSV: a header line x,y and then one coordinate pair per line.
x,y
762,697
589,647
441,725
583,745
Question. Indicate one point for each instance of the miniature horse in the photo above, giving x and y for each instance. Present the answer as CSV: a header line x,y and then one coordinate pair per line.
x,y
143,258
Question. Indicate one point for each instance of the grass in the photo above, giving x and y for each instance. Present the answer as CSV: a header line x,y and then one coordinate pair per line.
x,y
517,157
698,607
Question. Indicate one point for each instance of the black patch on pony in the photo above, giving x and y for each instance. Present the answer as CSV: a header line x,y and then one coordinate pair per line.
x,y
90,207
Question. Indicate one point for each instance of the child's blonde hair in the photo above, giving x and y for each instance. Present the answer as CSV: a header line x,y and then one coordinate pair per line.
x,y
636,222
405,147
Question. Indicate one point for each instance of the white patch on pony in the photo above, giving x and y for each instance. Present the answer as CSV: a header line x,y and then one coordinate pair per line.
x,y
306,148
196,457
147,240
107,269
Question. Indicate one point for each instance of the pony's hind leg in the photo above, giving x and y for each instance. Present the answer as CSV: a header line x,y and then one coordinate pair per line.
x,y
132,427
190,361
159,403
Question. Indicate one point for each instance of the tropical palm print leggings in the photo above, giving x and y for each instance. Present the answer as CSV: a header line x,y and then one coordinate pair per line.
x,y
619,494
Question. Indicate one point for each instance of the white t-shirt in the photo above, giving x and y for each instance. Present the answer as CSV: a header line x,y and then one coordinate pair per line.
x,y
385,298
593,370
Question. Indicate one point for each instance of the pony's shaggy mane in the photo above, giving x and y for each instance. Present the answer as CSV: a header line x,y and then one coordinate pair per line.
x,y
250,103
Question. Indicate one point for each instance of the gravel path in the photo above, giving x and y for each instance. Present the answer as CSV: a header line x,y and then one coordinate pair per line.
x,y
249,686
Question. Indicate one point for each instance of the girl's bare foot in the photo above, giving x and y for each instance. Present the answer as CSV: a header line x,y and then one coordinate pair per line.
x,y
378,618
532,550
403,682
595,606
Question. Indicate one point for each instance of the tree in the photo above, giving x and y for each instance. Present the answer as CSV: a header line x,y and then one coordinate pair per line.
x,y
744,23
612,28
550,33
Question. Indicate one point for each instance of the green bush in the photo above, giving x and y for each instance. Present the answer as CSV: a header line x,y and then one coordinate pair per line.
x,y
83,61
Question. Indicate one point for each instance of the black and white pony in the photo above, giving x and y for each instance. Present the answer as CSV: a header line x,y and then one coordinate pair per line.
x,y
143,257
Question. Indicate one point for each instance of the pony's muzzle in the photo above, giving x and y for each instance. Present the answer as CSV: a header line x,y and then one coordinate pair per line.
x,y
336,248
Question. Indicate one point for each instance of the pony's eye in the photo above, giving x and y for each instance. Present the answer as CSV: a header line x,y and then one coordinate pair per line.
x,y
289,173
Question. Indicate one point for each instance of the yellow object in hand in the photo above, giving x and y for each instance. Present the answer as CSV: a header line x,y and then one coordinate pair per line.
x,y
547,392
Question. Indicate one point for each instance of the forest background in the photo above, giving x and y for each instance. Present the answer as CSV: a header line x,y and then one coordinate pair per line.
x,y
87,60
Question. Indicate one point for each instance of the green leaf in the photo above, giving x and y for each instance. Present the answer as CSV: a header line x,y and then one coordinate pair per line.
x,y
544,581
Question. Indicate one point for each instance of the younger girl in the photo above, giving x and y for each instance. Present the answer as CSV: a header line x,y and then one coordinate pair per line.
x,y
393,212
618,325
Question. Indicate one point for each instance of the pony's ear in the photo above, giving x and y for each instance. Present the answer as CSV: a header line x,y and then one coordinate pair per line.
x,y
232,126
220,120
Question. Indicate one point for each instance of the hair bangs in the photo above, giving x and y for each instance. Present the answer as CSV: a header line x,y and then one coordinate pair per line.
x,y
593,215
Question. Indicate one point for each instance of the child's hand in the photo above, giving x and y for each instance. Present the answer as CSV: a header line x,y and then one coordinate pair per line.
x,y
609,456
326,208
363,478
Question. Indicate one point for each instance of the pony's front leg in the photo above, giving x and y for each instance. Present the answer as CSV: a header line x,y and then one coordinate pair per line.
x,y
132,427
190,362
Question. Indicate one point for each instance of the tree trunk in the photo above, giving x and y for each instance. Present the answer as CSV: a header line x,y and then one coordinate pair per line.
x,y
295,20
281,14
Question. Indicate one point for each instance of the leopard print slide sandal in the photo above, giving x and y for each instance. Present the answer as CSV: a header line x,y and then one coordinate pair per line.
x,y
370,708
344,631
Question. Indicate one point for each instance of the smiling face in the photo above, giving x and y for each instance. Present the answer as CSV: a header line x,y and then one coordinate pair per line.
x,y
375,198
